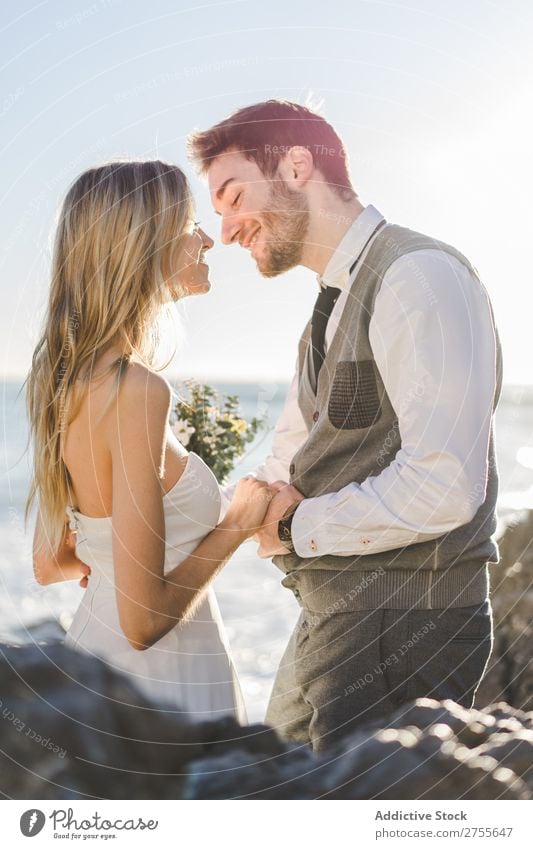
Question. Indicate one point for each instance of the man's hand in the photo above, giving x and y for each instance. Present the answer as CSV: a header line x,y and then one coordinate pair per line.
x,y
287,497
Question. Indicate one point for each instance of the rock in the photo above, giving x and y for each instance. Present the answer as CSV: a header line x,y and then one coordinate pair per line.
x,y
509,673
513,750
392,763
71,728
429,769
506,716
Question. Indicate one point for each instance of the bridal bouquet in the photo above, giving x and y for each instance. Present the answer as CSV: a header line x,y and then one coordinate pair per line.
x,y
210,425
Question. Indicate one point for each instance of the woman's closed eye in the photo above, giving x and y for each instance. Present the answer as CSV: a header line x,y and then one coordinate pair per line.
x,y
236,199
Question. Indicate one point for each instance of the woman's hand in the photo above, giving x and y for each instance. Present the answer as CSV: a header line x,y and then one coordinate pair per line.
x,y
49,566
249,505
85,570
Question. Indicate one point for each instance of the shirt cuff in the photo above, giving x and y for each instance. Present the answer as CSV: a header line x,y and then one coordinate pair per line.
x,y
313,537
308,530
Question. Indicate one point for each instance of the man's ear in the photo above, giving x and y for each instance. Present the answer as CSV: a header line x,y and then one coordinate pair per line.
x,y
297,166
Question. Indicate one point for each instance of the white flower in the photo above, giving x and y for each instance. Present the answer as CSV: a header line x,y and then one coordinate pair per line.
x,y
183,431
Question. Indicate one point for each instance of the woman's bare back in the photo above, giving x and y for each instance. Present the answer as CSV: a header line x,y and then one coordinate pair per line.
x,y
87,455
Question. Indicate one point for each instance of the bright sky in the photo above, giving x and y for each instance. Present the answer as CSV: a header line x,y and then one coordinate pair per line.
x,y
433,101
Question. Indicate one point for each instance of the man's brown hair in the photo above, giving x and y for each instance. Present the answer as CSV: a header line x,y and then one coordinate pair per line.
x,y
265,132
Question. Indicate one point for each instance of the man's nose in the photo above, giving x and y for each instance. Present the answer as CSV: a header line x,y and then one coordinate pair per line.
x,y
230,230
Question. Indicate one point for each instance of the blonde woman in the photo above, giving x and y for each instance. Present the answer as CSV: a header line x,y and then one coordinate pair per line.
x,y
144,512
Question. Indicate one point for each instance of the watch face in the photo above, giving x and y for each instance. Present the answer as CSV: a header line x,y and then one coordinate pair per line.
x,y
284,531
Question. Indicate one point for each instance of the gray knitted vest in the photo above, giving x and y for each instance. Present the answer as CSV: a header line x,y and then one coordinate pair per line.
x,y
354,434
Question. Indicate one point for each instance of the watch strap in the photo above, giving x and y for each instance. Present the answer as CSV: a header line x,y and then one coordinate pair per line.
x,y
285,530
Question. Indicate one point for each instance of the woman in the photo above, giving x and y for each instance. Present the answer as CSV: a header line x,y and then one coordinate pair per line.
x,y
144,511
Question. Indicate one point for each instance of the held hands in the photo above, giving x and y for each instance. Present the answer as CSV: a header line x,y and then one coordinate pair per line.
x,y
249,505
285,500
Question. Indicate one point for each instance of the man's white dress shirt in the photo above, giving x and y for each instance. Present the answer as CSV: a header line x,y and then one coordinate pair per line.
x,y
433,340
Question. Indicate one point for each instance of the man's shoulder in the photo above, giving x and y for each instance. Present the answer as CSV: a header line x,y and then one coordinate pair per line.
x,y
395,241
397,238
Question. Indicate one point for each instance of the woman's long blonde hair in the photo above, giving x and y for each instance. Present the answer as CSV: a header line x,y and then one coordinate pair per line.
x,y
117,242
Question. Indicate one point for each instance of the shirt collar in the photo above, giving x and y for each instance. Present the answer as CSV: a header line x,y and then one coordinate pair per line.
x,y
337,271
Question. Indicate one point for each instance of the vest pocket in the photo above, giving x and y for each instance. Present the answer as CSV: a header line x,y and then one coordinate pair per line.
x,y
354,401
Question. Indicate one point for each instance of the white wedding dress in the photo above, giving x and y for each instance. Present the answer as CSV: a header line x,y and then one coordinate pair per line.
x,y
190,668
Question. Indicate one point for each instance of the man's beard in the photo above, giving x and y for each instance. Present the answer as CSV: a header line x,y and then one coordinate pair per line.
x,y
285,222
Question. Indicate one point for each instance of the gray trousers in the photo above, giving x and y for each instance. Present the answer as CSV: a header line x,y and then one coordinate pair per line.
x,y
345,669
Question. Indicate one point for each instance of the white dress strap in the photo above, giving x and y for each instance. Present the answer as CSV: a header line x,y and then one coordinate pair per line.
x,y
73,522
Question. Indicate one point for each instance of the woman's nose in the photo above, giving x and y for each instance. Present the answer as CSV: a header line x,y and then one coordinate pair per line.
x,y
207,241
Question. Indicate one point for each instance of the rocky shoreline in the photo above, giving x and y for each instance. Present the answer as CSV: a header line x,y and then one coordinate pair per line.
x,y
72,729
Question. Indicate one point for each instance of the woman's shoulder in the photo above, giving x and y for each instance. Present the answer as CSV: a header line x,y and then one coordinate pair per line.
x,y
140,385
142,408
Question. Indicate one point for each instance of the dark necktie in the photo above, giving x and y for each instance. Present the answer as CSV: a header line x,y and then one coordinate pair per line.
x,y
321,313
323,309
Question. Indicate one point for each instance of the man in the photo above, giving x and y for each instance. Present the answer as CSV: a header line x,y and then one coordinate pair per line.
x,y
383,457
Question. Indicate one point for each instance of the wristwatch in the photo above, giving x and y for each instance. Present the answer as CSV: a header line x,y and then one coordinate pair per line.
x,y
285,530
